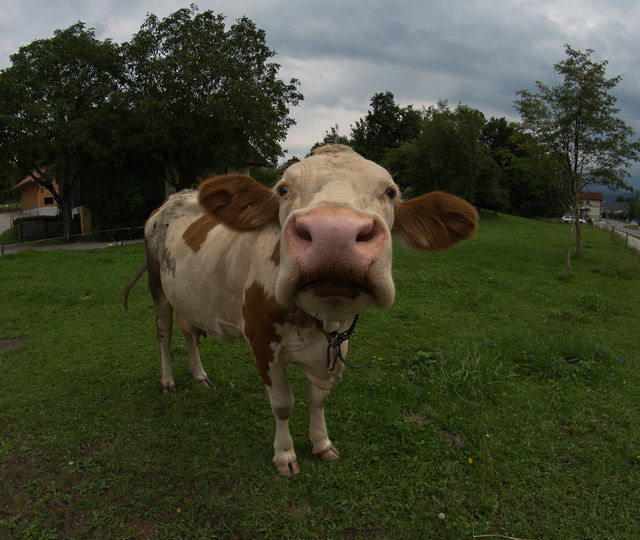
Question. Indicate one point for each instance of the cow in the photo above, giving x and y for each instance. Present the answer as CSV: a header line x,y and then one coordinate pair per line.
x,y
289,269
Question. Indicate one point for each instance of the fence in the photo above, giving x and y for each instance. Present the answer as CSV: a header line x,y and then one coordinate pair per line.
x,y
30,229
617,228
111,237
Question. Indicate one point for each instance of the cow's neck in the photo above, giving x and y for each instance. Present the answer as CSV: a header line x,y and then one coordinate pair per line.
x,y
330,326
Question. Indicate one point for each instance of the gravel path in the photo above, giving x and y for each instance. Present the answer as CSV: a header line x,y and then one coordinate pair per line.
x,y
632,235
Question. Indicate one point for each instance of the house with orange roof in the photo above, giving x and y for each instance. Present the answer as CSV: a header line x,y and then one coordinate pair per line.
x,y
35,199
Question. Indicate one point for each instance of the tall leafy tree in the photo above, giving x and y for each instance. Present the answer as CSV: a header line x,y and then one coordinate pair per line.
x,y
55,106
576,119
527,173
385,126
9,177
448,154
204,96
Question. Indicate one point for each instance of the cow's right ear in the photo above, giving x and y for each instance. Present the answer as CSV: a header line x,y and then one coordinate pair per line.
x,y
434,221
238,201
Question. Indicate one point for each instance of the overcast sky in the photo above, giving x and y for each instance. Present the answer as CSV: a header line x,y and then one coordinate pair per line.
x,y
477,52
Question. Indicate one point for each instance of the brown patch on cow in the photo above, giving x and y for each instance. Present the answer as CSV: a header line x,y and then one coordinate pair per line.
x,y
261,313
13,343
434,221
275,256
197,232
239,202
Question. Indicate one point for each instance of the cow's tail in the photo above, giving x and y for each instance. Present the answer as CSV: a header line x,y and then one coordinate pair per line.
x,y
131,283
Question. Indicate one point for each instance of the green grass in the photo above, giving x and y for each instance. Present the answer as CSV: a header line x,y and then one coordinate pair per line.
x,y
8,237
502,400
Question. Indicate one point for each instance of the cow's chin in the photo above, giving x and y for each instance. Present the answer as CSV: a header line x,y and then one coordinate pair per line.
x,y
333,301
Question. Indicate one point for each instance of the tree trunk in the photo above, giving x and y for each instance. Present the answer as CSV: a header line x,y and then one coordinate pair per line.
x,y
568,268
67,220
67,179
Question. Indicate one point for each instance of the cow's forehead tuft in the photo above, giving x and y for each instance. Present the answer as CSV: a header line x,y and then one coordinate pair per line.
x,y
342,165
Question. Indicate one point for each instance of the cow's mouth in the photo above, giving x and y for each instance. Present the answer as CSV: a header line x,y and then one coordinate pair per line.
x,y
328,287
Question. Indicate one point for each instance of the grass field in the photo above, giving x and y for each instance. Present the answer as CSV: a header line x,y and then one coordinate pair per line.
x,y
503,399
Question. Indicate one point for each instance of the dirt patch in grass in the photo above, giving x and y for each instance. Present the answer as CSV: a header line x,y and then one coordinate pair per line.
x,y
13,343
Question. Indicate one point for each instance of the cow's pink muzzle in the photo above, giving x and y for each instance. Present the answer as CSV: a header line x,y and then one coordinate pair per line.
x,y
334,249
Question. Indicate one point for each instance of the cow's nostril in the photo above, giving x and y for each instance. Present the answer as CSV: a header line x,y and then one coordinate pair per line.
x,y
302,232
305,235
367,234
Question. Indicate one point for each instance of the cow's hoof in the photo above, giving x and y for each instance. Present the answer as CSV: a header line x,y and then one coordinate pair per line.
x,y
206,382
287,469
168,389
328,454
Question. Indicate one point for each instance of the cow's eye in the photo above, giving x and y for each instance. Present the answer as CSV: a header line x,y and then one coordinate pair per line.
x,y
391,193
283,190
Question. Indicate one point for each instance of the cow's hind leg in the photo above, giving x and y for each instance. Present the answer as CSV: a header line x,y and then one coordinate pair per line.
x,y
192,339
281,399
164,329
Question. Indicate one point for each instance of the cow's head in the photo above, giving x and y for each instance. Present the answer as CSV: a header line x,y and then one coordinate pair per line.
x,y
337,212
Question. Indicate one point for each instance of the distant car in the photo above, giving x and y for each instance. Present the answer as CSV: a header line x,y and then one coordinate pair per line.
x,y
568,219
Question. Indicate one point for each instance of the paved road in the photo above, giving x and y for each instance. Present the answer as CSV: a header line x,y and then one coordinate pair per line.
x,y
6,219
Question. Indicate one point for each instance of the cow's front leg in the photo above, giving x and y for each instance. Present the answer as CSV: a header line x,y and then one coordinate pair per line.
x,y
322,446
281,399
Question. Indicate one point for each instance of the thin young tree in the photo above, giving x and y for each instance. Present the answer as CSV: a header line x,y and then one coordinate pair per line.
x,y
576,119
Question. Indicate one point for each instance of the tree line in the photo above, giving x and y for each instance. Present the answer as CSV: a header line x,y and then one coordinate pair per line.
x,y
492,163
188,95
533,168
570,138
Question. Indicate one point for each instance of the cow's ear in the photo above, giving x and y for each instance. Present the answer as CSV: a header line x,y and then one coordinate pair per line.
x,y
238,201
434,221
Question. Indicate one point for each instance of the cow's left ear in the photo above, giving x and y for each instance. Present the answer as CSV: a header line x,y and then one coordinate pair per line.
x,y
238,201
434,221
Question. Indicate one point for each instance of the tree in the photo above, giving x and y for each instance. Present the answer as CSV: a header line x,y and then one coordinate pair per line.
x,y
54,109
9,177
575,119
386,126
331,136
527,174
203,96
448,154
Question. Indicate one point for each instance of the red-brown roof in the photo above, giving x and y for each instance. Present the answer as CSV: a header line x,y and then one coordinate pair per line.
x,y
26,180
591,196
23,182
